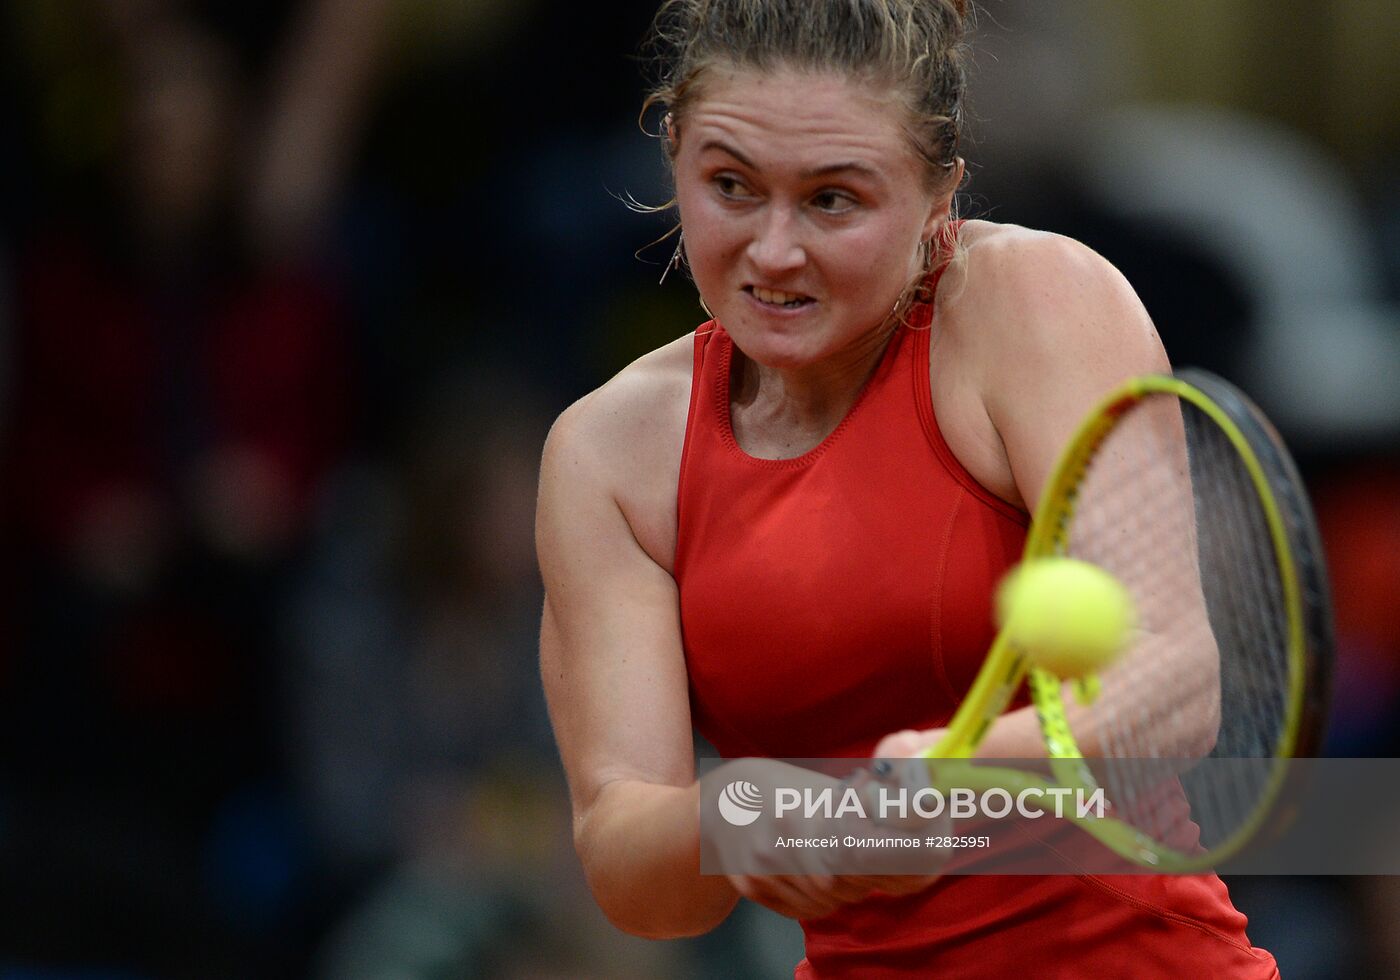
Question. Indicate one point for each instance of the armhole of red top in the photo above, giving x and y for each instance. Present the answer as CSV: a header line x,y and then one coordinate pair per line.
x,y
702,341
923,397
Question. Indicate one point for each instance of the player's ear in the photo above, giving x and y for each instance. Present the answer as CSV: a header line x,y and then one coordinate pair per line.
x,y
941,208
670,133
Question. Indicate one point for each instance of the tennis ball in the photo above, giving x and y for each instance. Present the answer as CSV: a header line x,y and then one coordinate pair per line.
x,y
1069,617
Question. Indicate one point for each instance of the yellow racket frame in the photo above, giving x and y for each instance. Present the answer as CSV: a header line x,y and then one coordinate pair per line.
x,y
1006,667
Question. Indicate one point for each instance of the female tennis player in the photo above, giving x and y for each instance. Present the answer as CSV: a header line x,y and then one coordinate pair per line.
x,y
784,529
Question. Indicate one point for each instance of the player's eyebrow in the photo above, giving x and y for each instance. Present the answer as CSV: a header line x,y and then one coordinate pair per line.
x,y
824,170
726,148
834,168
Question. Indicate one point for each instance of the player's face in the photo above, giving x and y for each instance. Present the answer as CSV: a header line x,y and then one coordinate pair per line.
x,y
804,207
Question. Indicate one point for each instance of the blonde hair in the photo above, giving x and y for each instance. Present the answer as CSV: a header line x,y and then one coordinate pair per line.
x,y
915,48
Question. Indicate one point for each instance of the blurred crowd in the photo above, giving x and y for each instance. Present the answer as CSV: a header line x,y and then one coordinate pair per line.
x,y
289,294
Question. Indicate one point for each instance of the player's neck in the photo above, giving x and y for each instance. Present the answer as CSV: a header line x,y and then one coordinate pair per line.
x,y
781,413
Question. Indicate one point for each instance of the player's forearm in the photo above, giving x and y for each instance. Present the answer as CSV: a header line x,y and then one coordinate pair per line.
x,y
640,847
1171,710
1014,735
1166,707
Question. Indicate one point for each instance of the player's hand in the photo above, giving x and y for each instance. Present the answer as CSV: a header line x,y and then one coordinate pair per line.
x,y
814,896
908,742
810,896
807,884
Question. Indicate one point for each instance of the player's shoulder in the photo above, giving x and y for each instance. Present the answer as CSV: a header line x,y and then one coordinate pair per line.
x,y
1027,289
1019,266
643,406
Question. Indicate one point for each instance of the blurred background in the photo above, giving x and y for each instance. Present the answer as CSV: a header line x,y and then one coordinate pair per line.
x,y
289,294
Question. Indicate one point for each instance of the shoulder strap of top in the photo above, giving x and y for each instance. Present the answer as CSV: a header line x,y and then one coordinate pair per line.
x,y
704,335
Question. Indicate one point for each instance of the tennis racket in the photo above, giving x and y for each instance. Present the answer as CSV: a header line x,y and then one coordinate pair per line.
x,y
1181,489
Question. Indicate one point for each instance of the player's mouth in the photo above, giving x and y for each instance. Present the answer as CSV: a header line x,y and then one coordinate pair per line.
x,y
779,299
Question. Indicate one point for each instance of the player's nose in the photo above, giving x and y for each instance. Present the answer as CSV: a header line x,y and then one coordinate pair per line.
x,y
776,246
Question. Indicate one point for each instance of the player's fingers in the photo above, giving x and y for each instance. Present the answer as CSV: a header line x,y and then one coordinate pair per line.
x,y
899,745
818,895
896,884
890,790
776,895
849,888
794,896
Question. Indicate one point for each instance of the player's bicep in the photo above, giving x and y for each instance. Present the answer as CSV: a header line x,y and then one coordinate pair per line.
x,y
610,651
1079,330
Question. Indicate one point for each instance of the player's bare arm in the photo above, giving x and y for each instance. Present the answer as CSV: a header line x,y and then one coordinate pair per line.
x,y
614,670
610,653
1056,327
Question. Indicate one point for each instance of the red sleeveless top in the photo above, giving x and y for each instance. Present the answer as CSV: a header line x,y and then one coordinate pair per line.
x,y
830,599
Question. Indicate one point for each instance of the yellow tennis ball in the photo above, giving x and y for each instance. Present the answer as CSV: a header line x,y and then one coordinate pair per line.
x,y
1069,617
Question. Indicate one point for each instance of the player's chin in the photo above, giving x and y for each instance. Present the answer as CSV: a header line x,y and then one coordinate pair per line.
x,y
781,357
782,347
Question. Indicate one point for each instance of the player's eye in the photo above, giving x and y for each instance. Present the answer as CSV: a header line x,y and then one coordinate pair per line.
x,y
833,202
731,186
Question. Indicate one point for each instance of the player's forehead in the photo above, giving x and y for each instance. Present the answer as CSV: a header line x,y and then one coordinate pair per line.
x,y
783,118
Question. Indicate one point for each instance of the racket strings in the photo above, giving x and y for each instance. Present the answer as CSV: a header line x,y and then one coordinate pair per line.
x,y
1168,507
1251,613
1248,719
1110,528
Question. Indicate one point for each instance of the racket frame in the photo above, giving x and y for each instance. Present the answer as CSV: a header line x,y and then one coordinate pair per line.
x,y
1006,666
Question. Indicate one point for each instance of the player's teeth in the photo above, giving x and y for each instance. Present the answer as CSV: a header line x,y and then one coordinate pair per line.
x,y
774,296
